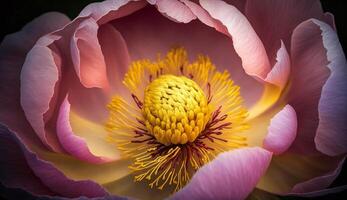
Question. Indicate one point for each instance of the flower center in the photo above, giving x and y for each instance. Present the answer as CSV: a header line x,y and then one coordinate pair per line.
x,y
183,114
175,109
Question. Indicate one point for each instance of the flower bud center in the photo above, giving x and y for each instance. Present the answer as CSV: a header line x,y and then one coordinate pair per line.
x,y
175,109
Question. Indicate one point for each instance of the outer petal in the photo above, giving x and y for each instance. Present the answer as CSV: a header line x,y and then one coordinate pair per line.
x,y
318,183
232,175
309,74
109,10
15,172
47,174
296,169
175,10
331,136
282,131
74,145
12,55
245,41
288,14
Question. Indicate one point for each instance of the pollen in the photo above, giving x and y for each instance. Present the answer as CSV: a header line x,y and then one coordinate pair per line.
x,y
175,109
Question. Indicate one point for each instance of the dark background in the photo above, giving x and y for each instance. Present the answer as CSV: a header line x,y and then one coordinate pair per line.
x,y
15,14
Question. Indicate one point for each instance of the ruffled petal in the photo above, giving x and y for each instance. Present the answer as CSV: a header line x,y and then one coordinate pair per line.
x,y
48,175
175,10
231,175
281,17
13,51
309,74
73,144
109,10
279,74
282,131
87,56
275,81
331,135
42,65
245,41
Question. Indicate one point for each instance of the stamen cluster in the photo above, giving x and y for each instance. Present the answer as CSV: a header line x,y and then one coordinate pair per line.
x,y
175,109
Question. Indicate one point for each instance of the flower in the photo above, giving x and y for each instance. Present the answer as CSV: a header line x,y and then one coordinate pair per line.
x,y
177,99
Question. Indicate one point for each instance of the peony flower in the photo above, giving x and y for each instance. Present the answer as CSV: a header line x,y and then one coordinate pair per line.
x,y
174,99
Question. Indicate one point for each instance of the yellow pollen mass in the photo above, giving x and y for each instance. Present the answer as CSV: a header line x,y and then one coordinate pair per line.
x,y
175,109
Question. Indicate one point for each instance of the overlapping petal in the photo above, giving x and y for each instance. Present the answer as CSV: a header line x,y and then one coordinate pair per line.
x,y
231,175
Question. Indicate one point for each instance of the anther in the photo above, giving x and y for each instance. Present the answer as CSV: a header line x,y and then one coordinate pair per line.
x,y
175,109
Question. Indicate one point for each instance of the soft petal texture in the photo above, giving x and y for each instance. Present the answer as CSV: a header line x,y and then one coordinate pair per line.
x,y
12,55
245,41
231,175
318,183
87,56
48,175
95,136
309,73
279,74
295,169
149,43
275,82
322,192
40,66
116,54
175,10
105,11
331,136
282,131
275,20
15,172
73,144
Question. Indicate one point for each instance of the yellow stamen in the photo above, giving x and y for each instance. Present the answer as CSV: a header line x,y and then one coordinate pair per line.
x,y
175,109
183,115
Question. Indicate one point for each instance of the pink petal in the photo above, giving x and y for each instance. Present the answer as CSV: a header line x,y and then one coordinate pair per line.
x,y
42,65
15,172
280,17
48,175
106,11
175,10
282,131
309,74
318,183
87,56
331,136
13,50
74,145
149,43
246,42
279,74
117,59
232,175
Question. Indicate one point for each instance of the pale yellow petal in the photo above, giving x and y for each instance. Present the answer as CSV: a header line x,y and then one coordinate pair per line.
x,y
94,135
